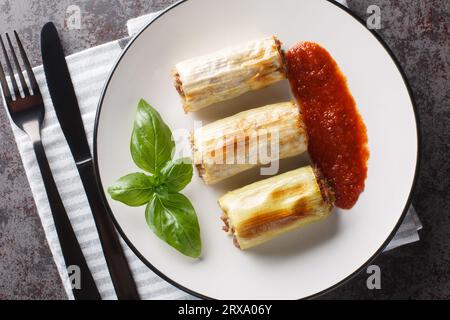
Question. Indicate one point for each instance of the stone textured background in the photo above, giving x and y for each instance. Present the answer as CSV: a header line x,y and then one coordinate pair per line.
x,y
417,32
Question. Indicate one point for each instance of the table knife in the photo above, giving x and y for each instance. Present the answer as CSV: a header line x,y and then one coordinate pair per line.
x,y
68,113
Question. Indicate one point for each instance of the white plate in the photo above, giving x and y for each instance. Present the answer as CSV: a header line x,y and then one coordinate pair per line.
x,y
307,261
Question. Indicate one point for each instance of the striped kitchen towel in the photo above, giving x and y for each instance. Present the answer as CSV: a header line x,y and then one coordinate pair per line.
x,y
89,70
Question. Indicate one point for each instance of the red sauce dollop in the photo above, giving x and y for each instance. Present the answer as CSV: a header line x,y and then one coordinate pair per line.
x,y
337,135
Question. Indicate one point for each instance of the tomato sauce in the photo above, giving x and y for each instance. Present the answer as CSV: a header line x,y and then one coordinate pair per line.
x,y
337,135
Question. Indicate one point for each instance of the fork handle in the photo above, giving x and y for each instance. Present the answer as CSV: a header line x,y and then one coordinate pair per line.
x,y
70,247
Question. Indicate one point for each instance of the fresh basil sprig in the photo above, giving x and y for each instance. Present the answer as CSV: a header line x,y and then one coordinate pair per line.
x,y
172,218
134,189
152,143
177,174
169,214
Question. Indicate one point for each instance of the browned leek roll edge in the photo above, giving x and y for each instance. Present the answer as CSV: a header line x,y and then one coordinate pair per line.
x,y
179,87
217,138
263,210
325,187
229,73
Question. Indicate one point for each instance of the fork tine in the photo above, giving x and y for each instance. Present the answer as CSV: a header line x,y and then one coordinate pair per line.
x,y
4,85
26,63
10,70
18,68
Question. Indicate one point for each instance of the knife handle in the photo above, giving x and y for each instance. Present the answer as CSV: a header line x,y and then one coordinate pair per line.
x,y
119,269
71,250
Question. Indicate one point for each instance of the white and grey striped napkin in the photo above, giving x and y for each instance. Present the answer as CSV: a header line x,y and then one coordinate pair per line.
x,y
89,70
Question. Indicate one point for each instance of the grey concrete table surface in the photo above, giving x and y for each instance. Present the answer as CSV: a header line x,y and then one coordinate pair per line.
x,y
416,31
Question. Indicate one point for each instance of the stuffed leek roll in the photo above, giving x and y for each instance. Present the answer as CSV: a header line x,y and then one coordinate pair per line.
x,y
258,136
260,211
228,73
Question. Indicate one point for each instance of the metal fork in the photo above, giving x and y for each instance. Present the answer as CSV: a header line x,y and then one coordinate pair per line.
x,y
27,110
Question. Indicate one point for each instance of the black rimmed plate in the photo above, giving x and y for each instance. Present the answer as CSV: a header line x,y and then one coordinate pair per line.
x,y
305,262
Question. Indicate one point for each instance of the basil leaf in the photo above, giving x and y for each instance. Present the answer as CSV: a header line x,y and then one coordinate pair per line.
x,y
177,174
134,189
173,219
151,141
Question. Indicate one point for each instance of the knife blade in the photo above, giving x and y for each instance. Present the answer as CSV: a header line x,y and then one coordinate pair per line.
x,y
68,113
